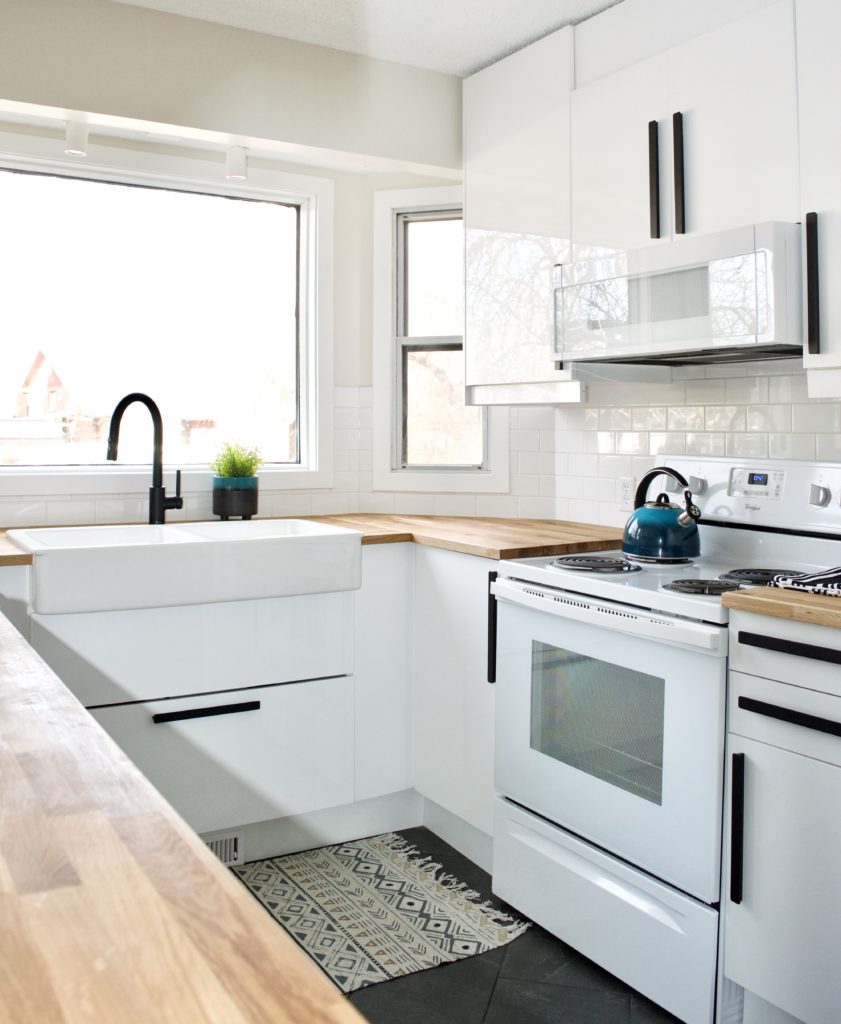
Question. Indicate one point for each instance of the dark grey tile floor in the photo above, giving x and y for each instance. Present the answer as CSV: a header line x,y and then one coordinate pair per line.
x,y
535,979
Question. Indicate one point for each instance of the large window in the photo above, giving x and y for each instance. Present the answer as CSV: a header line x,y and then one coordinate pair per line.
x,y
110,288
425,437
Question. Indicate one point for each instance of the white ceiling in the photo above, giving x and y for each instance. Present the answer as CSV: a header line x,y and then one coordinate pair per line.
x,y
456,37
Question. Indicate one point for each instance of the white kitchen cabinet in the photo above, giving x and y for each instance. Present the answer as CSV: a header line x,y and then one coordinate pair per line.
x,y
244,755
780,899
517,222
819,86
383,670
453,701
735,88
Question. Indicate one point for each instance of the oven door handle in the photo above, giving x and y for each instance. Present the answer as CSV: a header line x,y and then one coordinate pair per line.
x,y
617,617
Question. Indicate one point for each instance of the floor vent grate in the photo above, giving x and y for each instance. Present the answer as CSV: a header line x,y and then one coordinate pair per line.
x,y
228,847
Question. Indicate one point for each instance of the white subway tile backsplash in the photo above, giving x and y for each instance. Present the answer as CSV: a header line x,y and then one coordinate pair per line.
x,y
333,503
686,417
643,418
769,417
816,417
670,443
631,442
502,505
828,447
346,397
583,510
525,484
122,510
788,388
454,505
536,508
792,446
747,390
536,462
730,418
583,464
414,504
537,417
346,482
746,445
615,419
377,501
705,392
71,512
346,418
23,513
524,440
705,444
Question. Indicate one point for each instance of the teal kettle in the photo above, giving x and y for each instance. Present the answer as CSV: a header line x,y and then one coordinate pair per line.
x,y
660,531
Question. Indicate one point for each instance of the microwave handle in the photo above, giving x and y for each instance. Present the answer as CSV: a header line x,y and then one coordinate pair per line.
x,y
654,178
813,299
680,177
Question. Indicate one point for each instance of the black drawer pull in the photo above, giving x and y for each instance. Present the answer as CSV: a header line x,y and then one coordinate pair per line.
x,y
217,709
813,294
795,647
737,829
492,614
680,174
814,722
654,179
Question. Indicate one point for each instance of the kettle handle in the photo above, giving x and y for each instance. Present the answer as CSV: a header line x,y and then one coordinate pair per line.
x,y
652,474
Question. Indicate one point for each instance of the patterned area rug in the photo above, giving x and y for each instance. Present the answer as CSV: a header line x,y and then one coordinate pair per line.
x,y
374,909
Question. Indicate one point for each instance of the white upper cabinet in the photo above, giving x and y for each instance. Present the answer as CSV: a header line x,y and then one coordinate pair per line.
x,y
819,88
517,222
734,91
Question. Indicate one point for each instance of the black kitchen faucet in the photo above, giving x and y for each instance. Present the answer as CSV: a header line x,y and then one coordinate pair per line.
x,y
158,501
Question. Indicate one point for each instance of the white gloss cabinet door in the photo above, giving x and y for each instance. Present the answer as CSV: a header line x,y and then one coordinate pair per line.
x,y
453,701
516,168
610,159
383,670
781,941
819,89
736,88
291,754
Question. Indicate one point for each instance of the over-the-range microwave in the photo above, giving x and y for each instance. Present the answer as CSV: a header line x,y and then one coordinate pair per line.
x,y
733,295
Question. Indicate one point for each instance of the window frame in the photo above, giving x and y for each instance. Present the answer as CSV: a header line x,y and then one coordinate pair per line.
x,y
202,170
389,473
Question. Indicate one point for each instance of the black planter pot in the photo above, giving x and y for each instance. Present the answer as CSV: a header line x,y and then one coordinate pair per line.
x,y
235,496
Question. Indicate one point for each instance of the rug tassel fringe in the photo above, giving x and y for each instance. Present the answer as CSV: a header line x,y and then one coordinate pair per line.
x,y
508,922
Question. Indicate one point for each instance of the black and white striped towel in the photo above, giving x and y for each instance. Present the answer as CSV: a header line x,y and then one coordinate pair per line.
x,y
826,582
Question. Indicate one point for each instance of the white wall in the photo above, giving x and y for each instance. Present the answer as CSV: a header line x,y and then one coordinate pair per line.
x,y
125,61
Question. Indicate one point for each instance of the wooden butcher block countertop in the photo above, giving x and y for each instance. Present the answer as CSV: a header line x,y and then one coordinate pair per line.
x,y
111,908
490,538
786,604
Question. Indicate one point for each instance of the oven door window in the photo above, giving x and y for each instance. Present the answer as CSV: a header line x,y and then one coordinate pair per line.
x,y
600,718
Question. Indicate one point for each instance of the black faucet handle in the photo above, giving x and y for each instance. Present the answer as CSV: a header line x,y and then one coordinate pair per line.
x,y
177,501
178,484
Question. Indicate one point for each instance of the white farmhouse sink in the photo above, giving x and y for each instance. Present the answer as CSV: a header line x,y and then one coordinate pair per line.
x,y
100,568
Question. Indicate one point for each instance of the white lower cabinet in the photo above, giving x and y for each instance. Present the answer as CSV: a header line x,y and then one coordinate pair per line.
x,y
239,756
452,700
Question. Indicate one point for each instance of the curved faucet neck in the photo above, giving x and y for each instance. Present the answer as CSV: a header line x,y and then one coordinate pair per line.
x,y
157,425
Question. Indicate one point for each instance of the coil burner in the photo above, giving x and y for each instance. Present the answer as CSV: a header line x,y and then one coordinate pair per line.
x,y
754,577
595,563
712,588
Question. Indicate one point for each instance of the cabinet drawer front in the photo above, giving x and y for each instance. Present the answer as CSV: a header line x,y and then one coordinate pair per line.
x,y
799,653
222,761
804,721
656,939
151,653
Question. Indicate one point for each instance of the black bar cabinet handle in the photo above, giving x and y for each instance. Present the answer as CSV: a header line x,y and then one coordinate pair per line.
x,y
491,630
813,296
218,709
654,179
814,722
737,829
680,176
795,647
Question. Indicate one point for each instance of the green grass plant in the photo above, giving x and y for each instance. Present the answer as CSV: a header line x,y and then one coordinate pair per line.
x,y
236,460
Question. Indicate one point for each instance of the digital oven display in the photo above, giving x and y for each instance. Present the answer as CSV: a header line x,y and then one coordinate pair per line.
x,y
758,479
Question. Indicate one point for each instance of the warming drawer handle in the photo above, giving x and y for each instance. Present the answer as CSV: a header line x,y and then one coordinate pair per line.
x,y
737,829
795,647
814,722
654,178
813,295
217,709
680,175
492,620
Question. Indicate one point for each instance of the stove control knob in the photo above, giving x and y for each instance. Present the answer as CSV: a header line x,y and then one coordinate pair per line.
x,y
697,484
819,496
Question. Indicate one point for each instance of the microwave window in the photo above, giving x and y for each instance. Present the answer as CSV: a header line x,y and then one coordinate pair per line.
x,y
678,295
601,718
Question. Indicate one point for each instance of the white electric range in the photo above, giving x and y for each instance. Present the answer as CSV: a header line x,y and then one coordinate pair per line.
x,y
611,696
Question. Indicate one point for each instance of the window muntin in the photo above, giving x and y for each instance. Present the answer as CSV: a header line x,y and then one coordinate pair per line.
x,y
434,427
111,288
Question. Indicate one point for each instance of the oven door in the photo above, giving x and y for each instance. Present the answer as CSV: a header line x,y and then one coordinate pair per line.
x,y
610,722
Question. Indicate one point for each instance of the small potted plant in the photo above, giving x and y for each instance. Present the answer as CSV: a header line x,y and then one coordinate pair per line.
x,y
235,481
